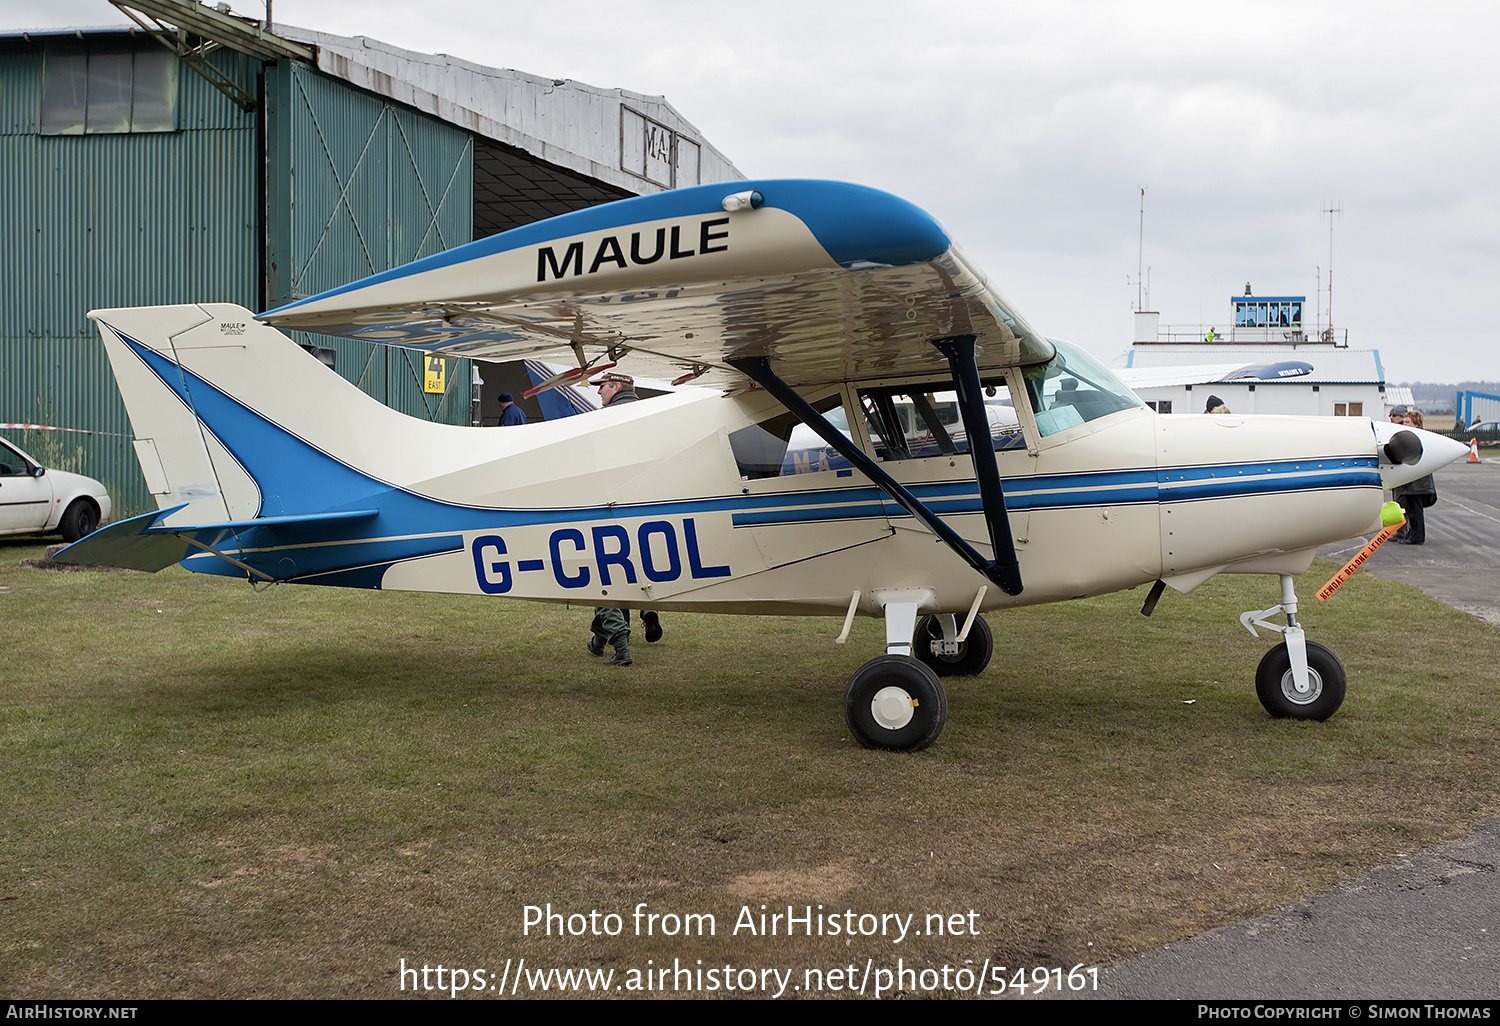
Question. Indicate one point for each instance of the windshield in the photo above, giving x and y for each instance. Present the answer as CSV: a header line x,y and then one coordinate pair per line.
x,y
1073,388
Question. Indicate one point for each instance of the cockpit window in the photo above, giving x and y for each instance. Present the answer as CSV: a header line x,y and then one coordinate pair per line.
x,y
783,445
914,421
1073,388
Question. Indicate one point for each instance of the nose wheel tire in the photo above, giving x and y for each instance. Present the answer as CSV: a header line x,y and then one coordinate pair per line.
x,y
973,653
1277,687
895,703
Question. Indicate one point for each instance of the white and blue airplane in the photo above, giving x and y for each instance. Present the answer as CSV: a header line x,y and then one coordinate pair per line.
x,y
790,304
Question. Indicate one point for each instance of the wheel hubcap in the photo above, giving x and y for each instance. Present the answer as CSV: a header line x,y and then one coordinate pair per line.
x,y
892,707
1308,697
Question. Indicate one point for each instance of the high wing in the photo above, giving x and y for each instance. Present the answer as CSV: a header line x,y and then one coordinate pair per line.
x,y
827,281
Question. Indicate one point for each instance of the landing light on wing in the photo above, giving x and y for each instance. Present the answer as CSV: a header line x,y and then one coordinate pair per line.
x,y
750,199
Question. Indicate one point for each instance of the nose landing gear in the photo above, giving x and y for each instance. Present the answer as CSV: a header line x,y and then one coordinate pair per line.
x,y
1299,679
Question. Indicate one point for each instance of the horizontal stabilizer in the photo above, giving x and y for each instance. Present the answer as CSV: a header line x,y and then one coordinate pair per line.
x,y
142,543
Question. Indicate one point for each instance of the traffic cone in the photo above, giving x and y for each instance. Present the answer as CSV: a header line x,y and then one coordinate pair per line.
x,y
1473,450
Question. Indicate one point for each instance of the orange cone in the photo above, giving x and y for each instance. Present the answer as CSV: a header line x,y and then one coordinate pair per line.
x,y
1473,450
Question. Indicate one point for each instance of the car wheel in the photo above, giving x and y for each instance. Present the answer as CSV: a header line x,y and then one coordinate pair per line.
x,y
80,519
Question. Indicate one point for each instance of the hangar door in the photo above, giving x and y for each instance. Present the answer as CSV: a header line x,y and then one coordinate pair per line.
x,y
355,185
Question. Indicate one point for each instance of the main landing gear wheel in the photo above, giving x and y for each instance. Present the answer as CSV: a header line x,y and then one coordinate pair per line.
x,y
895,703
973,654
1277,689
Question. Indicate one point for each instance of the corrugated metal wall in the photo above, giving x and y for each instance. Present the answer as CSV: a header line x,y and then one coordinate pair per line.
x,y
354,185
111,220
359,185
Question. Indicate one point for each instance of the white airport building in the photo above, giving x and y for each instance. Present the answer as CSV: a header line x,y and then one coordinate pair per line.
x,y
1262,330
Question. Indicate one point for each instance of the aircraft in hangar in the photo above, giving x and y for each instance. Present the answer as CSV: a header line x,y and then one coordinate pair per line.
x,y
978,464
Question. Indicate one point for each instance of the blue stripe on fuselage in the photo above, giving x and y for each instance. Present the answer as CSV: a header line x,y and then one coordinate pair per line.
x,y
1100,488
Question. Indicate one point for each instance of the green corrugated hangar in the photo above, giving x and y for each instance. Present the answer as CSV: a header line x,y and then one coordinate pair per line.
x,y
196,156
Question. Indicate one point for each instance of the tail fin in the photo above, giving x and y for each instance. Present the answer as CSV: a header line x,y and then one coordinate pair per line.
x,y
247,440
233,421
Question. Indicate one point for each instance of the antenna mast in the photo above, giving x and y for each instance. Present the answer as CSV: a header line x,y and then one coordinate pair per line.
x,y
1331,211
1140,249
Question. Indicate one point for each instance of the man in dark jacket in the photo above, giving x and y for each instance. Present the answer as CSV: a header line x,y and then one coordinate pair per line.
x,y
612,626
511,415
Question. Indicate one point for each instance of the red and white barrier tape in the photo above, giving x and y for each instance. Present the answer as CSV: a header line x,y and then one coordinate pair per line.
x,y
49,427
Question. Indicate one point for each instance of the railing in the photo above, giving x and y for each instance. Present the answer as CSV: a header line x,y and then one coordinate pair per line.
x,y
1183,334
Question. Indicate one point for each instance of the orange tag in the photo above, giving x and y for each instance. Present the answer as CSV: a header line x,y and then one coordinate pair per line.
x,y
1354,564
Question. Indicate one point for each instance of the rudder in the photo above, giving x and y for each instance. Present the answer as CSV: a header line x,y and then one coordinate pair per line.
x,y
232,420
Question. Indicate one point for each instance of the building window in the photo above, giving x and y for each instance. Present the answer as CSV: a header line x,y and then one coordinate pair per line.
x,y
108,89
1348,409
1160,405
1268,313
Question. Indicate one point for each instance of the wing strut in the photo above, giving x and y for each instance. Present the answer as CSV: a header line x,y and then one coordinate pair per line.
x,y
1006,574
960,353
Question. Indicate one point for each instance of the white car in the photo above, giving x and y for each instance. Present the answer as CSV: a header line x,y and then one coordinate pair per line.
x,y
35,500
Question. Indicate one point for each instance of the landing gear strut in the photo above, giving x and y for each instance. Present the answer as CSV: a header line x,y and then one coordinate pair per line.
x,y
1299,679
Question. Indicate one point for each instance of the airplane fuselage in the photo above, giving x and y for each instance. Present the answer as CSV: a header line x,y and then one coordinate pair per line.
x,y
645,505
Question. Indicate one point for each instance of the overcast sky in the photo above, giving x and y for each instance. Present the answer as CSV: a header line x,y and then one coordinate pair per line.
x,y
1029,128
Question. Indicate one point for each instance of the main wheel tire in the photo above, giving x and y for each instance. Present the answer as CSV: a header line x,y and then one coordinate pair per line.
x,y
79,519
973,655
895,703
1277,689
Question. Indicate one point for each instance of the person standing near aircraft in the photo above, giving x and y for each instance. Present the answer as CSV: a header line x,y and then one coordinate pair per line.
x,y
612,626
1415,496
510,414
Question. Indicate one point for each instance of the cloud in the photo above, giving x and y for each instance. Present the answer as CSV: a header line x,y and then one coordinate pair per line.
x,y
1028,130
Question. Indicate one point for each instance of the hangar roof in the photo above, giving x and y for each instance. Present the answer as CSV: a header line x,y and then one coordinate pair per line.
x,y
544,146
625,139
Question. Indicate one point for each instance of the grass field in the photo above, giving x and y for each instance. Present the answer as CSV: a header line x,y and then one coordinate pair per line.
x,y
217,793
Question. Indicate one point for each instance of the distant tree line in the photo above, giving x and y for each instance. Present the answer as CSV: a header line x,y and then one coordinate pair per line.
x,y
1424,391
